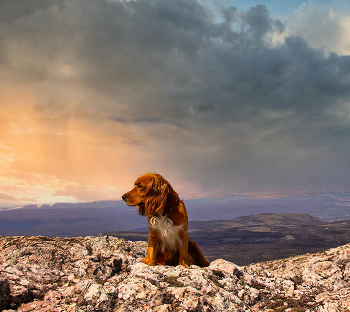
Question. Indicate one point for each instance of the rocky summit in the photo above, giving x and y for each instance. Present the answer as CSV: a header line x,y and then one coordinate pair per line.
x,y
106,274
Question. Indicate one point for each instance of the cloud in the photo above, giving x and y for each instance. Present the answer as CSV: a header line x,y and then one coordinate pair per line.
x,y
10,11
96,93
7,197
323,27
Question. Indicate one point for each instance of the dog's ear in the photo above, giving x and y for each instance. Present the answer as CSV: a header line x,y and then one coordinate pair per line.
x,y
173,198
157,194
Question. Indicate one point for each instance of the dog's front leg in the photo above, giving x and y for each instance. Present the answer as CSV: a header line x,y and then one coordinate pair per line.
x,y
152,250
184,259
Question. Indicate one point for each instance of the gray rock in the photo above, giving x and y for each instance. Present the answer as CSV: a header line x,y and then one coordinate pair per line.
x,y
106,274
4,293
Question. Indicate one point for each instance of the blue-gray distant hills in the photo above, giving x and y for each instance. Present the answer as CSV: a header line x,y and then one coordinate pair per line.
x,y
241,231
82,219
69,220
259,238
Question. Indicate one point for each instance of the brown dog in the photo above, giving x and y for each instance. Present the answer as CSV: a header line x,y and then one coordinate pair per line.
x,y
168,241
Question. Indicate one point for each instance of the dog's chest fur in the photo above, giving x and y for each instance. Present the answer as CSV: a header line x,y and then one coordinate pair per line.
x,y
169,233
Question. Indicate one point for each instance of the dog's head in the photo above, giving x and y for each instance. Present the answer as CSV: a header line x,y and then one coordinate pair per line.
x,y
152,194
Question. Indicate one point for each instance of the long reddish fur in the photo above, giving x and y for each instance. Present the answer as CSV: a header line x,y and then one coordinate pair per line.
x,y
155,198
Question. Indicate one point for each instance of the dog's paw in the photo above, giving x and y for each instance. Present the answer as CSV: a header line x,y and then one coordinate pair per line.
x,y
147,261
184,264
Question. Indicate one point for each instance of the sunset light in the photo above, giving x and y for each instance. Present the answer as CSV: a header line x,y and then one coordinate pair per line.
x,y
222,101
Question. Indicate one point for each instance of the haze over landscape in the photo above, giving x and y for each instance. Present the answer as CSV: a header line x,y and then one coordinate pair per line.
x,y
243,106
225,99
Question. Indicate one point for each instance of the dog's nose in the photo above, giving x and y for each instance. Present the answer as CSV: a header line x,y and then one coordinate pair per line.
x,y
123,197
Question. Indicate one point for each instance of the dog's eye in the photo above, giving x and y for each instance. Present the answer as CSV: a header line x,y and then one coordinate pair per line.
x,y
139,186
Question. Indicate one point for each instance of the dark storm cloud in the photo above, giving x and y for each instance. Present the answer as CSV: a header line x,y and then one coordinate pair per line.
x,y
251,114
12,10
149,121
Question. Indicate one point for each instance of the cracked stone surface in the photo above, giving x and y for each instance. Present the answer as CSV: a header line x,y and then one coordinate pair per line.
x,y
106,274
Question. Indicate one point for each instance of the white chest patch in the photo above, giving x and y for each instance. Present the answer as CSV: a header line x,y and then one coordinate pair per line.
x,y
169,233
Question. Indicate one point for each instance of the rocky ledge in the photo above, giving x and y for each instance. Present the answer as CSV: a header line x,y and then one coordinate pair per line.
x,y
105,274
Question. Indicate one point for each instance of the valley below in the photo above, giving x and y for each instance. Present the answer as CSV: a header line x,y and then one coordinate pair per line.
x,y
259,238
242,231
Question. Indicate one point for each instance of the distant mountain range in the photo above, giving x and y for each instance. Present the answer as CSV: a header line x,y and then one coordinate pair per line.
x,y
236,229
68,220
263,237
82,219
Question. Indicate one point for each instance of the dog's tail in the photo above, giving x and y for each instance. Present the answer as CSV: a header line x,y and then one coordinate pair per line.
x,y
196,254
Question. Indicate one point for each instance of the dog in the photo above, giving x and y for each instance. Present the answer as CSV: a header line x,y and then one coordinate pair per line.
x,y
168,241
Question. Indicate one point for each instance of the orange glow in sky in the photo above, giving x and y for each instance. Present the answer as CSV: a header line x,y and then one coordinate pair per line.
x,y
219,100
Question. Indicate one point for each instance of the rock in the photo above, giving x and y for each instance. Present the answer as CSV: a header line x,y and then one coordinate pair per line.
x,y
106,274
4,293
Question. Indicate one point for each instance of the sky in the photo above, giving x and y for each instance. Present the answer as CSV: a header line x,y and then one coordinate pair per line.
x,y
220,97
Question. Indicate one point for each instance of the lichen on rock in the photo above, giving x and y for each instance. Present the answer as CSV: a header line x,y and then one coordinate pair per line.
x,y
106,274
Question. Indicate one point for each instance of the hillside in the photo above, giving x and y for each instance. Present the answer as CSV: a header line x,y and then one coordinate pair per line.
x,y
105,274
92,218
69,220
263,237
